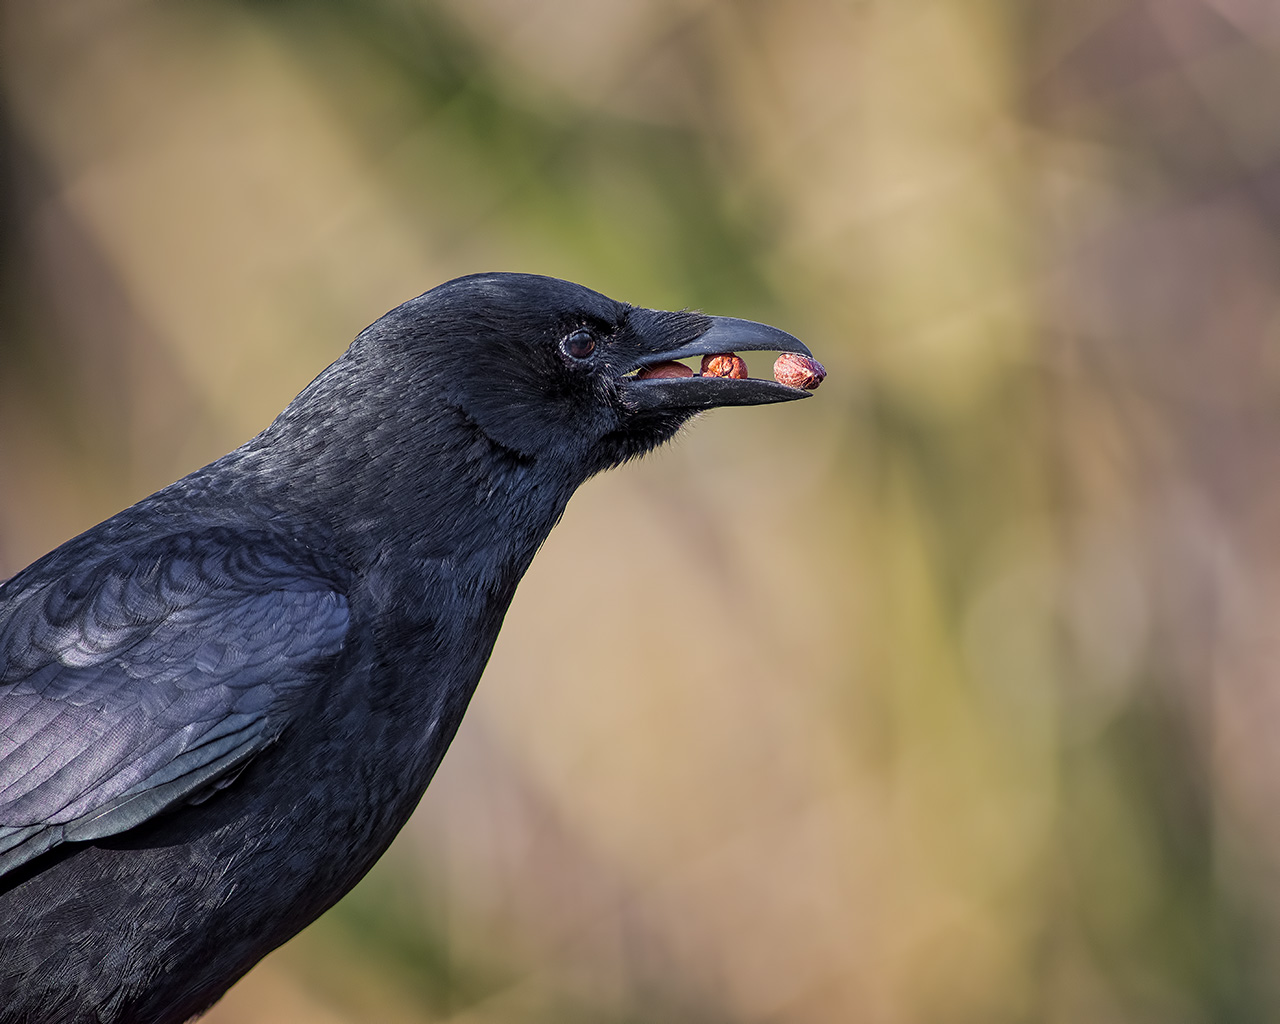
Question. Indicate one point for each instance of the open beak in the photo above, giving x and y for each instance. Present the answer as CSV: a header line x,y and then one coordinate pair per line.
x,y
726,334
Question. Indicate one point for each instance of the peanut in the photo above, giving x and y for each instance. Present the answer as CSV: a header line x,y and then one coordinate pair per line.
x,y
724,364
668,369
797,371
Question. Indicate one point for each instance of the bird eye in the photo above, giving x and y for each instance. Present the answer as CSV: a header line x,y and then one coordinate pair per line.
x,y
580,344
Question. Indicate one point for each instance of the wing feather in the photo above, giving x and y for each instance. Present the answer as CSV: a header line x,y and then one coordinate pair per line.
x,y
131,684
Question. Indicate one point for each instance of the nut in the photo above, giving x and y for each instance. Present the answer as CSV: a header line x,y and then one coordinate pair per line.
x,y
724,364
668,369
797,371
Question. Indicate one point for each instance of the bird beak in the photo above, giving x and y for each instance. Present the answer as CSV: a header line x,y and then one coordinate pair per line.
x,y
726,334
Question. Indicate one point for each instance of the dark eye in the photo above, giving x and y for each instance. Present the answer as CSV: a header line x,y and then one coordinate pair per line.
x,y
580,344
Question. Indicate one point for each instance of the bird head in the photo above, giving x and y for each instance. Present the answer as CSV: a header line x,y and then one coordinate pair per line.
x,y
553,370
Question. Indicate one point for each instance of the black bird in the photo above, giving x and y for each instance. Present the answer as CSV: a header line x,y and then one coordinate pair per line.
x,y
219,706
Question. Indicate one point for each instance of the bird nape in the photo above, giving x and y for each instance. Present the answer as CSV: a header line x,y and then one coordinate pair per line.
x,y
218,707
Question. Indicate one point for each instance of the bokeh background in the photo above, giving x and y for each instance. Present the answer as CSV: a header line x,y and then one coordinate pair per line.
x,y
948,696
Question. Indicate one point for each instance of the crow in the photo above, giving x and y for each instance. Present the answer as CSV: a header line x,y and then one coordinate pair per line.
x,y
219,706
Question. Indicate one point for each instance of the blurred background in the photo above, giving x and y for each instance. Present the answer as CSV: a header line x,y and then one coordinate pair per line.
x,y
947,696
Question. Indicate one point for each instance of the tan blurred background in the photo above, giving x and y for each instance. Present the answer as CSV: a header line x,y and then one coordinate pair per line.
x,y
947,696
